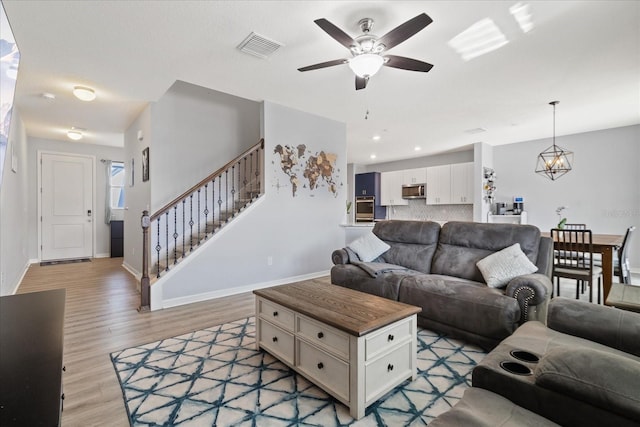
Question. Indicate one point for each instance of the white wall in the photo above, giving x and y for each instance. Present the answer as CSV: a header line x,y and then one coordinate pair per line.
x,y
422,162
191,131
195,132
297,233
138,196
602,190
14,225
102,236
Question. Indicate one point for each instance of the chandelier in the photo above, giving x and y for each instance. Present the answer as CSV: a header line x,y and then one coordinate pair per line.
x,y
555,161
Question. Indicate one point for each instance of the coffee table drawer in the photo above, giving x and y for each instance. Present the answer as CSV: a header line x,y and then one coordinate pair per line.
x,y
276,314
276,340
323,336
391,368
381,341
322,368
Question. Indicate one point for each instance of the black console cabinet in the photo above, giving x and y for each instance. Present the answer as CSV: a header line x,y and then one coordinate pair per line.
x,y
31,347
117,239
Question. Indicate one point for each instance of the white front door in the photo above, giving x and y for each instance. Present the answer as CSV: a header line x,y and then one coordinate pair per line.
x,y
66,206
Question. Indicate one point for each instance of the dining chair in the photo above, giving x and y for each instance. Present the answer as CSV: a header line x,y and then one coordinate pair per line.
x,y
621,265
575,227
573,259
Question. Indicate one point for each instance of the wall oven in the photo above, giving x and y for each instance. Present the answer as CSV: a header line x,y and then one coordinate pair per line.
x,y
365,208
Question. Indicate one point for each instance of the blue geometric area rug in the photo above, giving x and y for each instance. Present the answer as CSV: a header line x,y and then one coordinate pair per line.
x,y
215,377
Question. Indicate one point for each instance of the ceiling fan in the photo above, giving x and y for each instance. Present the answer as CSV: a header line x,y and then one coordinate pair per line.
x,y
369,50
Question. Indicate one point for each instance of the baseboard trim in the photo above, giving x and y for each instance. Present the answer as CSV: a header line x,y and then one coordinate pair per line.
x,y
104,255
239,290
19,282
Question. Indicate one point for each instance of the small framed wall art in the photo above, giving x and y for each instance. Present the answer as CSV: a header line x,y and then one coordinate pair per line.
x,y
145,164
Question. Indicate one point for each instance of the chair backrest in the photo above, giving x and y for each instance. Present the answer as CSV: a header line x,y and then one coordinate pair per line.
x,y
623,252
575,227
574,249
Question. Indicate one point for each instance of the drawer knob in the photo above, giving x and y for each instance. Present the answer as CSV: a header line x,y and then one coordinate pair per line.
x,y
275,314
320,365
275,339
389,367
390,337
320,335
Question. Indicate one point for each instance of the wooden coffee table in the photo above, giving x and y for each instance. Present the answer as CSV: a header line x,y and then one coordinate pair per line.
x,y
353,345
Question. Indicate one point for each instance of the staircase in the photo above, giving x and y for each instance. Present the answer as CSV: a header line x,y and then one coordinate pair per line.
x,y
177,230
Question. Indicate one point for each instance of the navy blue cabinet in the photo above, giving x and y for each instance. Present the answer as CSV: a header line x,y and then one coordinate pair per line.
x,y
368,185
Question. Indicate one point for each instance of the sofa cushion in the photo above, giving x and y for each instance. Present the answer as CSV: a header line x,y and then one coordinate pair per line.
x,y
500,267
463,244
368,247
596,377
481,408
413,243
462,304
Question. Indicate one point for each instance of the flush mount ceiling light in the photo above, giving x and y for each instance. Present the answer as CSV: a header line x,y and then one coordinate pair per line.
x,y
75,134
555,161
84,93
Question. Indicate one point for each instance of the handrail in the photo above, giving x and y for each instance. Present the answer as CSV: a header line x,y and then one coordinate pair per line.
x,y
184,224
184,195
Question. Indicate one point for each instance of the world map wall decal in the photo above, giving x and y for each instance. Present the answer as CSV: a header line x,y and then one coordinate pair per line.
x,y
307,169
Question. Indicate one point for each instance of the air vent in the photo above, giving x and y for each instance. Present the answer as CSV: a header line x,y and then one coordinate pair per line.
x,y
259,46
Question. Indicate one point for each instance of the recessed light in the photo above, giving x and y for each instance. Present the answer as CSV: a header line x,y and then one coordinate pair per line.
x,y
74,134
373,156
417,148
48,96
84,93
376,137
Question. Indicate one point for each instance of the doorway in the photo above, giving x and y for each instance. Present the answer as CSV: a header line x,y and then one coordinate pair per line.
x,y
66,206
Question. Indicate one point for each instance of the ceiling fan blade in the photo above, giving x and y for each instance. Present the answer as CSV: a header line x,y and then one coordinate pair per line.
x,y
404,31
343,38
406,63
323,65
361,82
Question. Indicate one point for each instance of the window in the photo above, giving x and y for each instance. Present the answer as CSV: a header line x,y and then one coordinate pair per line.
x,y
117,185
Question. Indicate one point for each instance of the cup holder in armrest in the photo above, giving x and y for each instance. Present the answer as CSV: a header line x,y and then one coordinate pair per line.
x,y
515,368
525,356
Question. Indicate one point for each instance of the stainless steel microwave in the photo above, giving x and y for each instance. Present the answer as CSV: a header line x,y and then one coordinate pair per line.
x,y
414,191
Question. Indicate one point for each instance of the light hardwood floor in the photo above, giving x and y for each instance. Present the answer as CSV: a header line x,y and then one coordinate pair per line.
x,y
101,317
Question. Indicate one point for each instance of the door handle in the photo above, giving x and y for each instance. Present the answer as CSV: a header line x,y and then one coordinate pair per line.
x,y
89,212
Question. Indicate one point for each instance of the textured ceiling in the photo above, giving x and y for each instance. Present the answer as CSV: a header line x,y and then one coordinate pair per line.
x,y
584,54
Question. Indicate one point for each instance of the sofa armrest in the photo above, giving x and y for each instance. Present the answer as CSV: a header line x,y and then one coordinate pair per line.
x,y
601,379
530,290
340,256
608,326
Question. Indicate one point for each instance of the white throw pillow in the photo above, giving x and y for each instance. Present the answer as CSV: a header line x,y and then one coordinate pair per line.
x,y
368,247
500,267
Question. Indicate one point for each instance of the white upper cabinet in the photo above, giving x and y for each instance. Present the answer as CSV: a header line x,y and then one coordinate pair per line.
x,y
391,189
414,176
462,183
450,184
439,185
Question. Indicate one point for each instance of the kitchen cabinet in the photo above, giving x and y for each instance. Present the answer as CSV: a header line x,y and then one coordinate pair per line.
x,y
366,184
462,183
439,185
391,188
450,184
414,176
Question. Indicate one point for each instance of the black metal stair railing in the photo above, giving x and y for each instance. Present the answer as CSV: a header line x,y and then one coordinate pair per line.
x,y
177,229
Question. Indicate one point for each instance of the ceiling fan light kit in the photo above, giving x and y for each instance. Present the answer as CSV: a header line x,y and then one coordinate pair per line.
x,y
368,50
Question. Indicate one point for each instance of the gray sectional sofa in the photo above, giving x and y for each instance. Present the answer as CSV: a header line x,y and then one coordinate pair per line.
x,y
435,268
585,369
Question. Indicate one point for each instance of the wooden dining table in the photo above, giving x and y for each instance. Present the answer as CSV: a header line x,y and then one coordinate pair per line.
x,y
604,244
